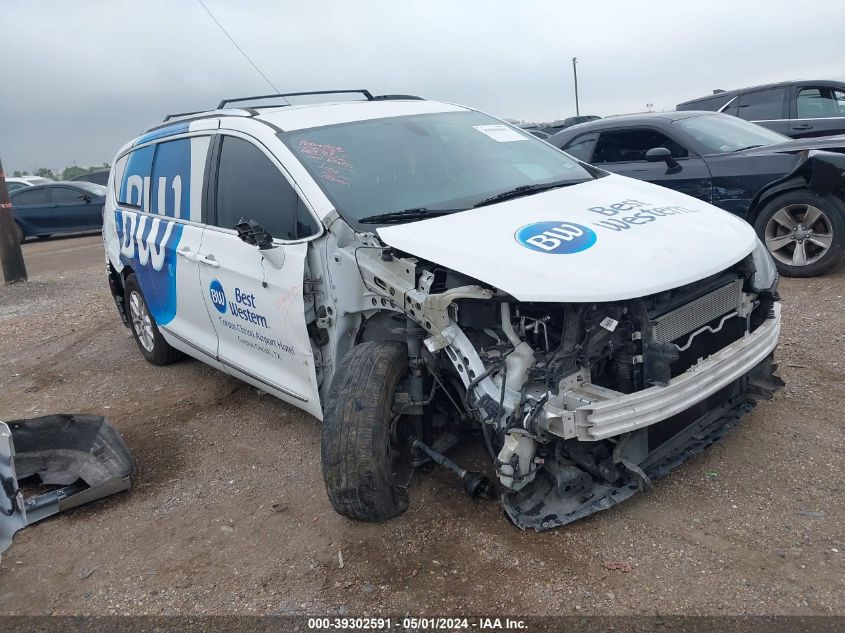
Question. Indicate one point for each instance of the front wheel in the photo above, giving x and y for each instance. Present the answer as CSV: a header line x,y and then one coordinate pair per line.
x,y
144,328
804,232
359,449
19,234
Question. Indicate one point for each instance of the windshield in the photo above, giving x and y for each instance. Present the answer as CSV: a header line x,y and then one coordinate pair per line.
x,y
722,133
438,162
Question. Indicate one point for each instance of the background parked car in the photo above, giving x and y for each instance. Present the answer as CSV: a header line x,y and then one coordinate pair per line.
x,y
533,129
13,183
798,109
59,207
557,126
98,177
743,168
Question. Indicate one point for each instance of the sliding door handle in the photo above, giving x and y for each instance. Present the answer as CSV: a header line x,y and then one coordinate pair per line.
x,y
209,260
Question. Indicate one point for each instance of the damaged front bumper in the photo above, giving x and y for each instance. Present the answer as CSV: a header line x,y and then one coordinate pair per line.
x,y
589,413
83,454
652,431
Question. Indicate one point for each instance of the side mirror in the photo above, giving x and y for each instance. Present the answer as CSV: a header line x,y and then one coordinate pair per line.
x,y
254,234
661,155
85,198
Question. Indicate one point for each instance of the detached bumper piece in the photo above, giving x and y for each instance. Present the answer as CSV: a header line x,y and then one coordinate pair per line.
x,y
82,458
576,484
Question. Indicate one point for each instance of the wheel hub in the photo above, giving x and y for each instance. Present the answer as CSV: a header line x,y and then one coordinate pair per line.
x,y
801,233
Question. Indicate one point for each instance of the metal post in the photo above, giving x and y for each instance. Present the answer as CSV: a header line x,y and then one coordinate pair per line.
x,y
11,256
575,74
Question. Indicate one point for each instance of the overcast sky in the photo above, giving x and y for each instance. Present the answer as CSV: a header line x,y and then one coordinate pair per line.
x,y
82,77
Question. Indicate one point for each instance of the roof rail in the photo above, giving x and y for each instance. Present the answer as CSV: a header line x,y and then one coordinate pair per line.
x,y
397,97
366,93
178,114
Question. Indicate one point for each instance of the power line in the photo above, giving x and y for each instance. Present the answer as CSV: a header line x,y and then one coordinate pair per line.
x,y
231,39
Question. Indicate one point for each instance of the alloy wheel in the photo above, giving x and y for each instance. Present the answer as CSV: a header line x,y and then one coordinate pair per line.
x,y
141,320
799,234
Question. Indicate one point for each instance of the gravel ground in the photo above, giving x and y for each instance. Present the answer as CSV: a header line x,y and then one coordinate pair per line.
x,y
227,513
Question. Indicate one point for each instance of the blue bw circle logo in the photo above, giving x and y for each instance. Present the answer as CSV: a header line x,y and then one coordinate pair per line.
x,y
218,297
556,237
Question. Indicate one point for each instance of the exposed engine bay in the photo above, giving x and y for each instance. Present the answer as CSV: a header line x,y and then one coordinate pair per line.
x,y
579,404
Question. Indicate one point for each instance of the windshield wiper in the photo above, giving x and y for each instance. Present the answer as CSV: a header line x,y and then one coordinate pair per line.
x,y
742,149
416,213
526,190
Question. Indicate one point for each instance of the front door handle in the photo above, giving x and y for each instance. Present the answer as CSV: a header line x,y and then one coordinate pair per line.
x,y
209,260
802,126
188,254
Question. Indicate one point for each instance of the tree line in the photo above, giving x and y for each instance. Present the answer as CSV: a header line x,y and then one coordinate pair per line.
x,y
68,173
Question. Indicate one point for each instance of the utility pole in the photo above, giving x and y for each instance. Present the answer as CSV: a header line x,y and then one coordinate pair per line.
x,y
575,74
11,257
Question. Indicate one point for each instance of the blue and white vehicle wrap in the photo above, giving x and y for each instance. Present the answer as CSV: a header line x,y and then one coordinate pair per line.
x,y
163,179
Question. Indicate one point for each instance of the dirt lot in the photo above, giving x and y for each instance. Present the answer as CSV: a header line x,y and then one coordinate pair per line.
x,y
228,514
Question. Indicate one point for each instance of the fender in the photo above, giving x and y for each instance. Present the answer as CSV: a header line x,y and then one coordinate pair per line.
x,y
821,172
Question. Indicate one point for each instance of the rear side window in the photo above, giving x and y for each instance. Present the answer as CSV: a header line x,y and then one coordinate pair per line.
x,y
169,188
165,178
627,146
138,166
581,147
31,196
763,105
818,103
65,195
251,187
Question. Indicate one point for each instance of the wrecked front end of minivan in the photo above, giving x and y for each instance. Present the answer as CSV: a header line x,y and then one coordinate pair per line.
x,y
587,381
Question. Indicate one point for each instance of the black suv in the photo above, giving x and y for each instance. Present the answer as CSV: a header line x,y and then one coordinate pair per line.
x,y
795,108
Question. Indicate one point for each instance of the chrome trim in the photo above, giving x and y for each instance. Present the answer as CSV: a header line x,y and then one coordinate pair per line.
x,y
234,365
822,118
607,418
263,381
182,339
725,107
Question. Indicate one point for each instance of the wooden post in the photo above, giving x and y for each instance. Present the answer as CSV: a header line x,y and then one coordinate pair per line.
x,y
11,256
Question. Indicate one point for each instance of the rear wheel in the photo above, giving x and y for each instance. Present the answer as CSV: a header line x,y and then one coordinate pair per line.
x,y
804,232
150,341
360,448
19,234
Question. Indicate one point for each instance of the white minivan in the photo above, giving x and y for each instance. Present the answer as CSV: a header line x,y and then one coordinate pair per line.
x,y
414,273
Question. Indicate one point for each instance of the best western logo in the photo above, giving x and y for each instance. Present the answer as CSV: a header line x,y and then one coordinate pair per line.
x,y
218,296
240,307
556,237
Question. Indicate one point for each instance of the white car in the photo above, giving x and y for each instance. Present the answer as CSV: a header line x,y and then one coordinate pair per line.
x,y
13,183
411,272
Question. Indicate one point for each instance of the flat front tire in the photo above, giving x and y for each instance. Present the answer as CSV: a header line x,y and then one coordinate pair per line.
x,y
804,232
144,328
360,459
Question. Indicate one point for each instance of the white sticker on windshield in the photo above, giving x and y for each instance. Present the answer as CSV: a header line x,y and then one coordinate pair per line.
x,y
500,133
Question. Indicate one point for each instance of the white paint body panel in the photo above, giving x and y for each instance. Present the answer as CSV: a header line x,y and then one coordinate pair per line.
x,y
664,253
